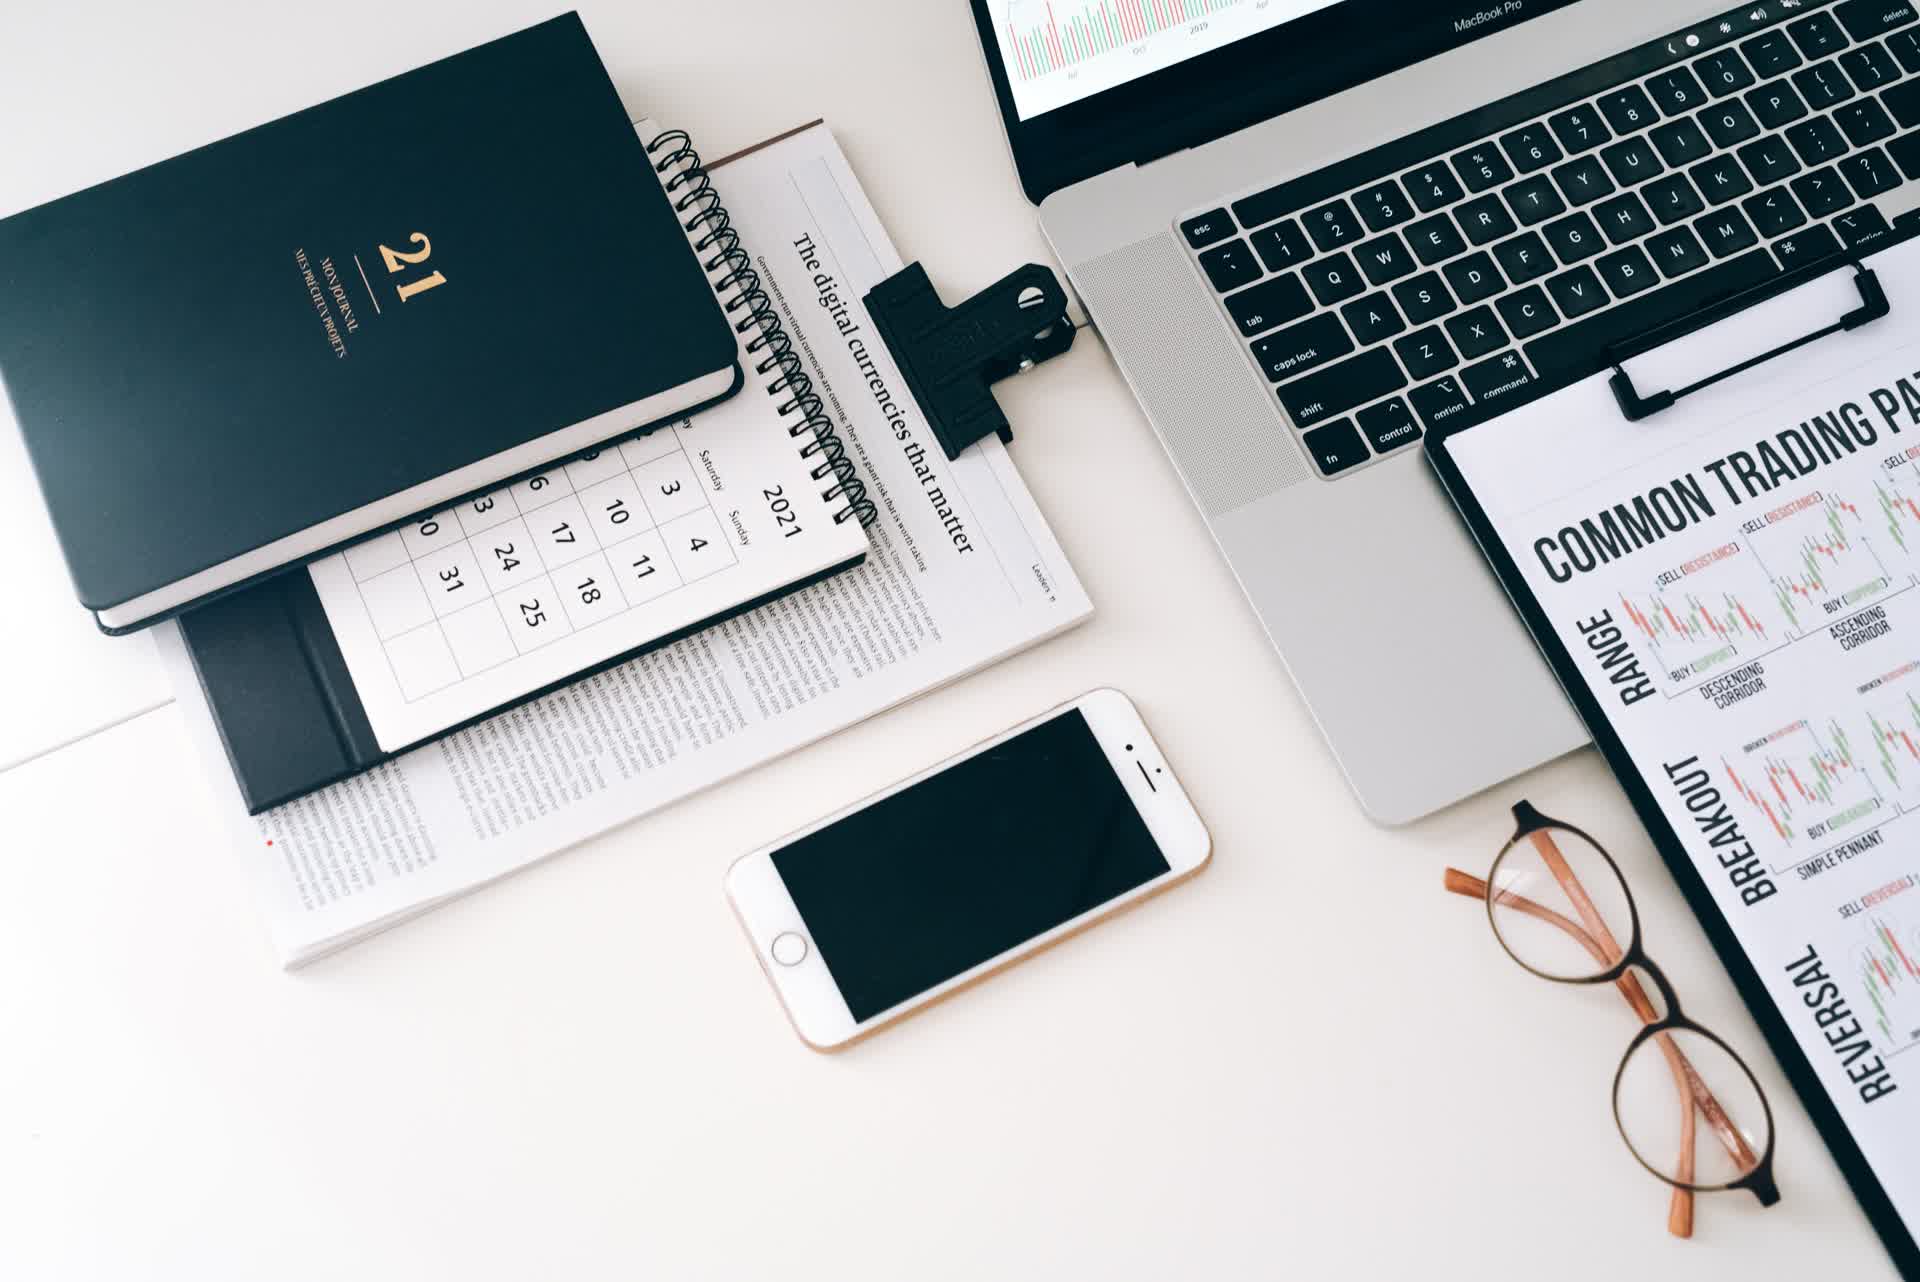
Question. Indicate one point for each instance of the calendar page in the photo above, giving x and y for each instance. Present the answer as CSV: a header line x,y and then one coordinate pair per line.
x,y
467,609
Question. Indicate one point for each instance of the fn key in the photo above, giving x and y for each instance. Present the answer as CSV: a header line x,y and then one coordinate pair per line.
x,y
1335,447
1330,392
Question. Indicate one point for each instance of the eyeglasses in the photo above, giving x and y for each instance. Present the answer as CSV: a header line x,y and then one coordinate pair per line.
x,y
1559,906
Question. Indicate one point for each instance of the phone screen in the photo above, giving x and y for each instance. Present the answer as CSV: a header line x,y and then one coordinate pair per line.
x,y
968,863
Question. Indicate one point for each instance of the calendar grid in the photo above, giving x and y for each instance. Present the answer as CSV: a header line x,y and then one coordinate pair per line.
x,y
458,592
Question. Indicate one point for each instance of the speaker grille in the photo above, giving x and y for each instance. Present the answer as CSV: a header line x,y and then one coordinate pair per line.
x,y
1224,431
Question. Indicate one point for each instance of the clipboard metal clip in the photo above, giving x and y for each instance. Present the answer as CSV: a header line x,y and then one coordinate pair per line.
x,y
1635,405
952,356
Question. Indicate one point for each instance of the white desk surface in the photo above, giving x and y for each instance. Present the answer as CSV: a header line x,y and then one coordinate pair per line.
x,y
1310,1062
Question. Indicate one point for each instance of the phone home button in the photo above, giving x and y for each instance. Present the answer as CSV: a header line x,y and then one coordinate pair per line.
x,y
789,948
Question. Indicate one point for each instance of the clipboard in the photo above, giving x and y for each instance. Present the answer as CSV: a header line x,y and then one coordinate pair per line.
x,y
1663,416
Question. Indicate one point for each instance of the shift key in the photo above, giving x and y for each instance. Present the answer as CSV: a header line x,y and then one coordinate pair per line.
x,y
1330,392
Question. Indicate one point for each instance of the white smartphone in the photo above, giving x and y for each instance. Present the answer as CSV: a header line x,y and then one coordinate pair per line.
x,y
895,902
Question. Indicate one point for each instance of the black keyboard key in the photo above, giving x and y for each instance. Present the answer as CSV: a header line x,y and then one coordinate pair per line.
x,y
1677,91
1534,200
1676,251
1204,229
1774,212
1498,381
1578,129
1583,181
1577,292
1440,402
1531,147
1476,333
1332,226
1723,72
1372,319
1680,142
1574,350
1335,447
1272,302
1632,161
1388,425
1432,187
1769,159
1383,205
1623,218
1474,278
1627,110
1862,228
1809,246
1870,67
1573,238
1303,347
1721,179
1903,100
1725,233
1526,312
1332,280
1384,259
1673,198
1905,46
1523,257
1864,122
1426,352
1775,105
1822,85
1230,265
1334,389
1771,53
1434,239
1485,218
1869,173
1865,19
1282,245
1905,151
1627,271
1482,167
1816,141
1728,123
1423,298
1822,192
1817,35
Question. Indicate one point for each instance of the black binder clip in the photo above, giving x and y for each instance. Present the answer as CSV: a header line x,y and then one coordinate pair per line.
x,y
952,356
1873,306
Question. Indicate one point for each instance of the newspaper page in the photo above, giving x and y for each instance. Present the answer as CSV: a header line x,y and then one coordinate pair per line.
x,y
962,571
1734,579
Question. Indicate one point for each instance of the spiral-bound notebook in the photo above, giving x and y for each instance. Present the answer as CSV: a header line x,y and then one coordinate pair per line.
x,y
464,611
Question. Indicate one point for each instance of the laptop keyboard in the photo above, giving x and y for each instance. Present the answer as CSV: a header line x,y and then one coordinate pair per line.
x,y
1490,259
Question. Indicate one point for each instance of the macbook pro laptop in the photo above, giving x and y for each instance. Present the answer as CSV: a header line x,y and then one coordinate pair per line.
x,y
1311,230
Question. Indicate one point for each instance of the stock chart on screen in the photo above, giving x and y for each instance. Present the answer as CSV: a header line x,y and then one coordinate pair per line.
x,y
1060,51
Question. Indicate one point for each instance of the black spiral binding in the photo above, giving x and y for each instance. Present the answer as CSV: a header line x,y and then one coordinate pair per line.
x,y
699,207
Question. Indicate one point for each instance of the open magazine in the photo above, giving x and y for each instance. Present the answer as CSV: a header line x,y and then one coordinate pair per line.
x,y
962,572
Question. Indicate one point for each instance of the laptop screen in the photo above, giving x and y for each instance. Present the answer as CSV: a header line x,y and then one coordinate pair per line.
x,y
1059,53
1085,86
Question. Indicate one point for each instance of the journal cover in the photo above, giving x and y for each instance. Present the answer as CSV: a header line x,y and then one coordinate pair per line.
x,y
238,358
